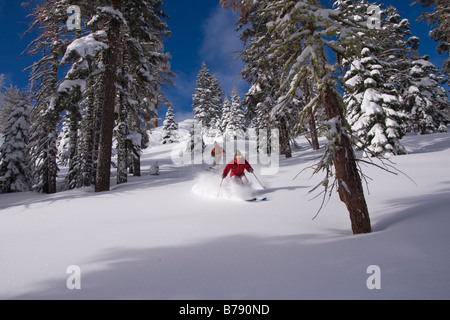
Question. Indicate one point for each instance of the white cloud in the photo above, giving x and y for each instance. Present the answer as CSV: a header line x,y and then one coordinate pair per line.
x,y
220,49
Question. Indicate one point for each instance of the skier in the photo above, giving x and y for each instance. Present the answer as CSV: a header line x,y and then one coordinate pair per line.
x,y
237,167
217,153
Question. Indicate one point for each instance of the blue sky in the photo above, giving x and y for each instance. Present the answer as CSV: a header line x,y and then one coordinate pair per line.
x,y
202,31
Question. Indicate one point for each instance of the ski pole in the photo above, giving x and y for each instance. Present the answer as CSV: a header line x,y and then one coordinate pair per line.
x,y
258,180
218,193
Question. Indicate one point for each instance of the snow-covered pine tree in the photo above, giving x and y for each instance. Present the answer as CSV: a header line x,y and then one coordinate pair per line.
x,y
113,18
14,157
302,30
121,130
373,103
90,107
69,151
80,55
202,99
49,18
426,100
439,18
216,105
399,47
395,39
226,114
142,68
235,129
135,62
263,72
63,143
170,127
373,107
149,70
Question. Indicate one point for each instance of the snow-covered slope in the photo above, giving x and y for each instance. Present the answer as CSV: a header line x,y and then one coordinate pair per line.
x,y
170,236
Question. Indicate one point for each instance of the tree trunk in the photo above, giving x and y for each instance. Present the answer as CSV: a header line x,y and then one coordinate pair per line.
x,y
98,104
121,136
52,166
349,182
311,120
313,131
52,149
88,148
285,146
122,127
136,165
103,177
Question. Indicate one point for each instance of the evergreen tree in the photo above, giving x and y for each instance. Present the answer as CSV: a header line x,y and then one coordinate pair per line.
x,y
226,114
49,18
14,159
145,68
115,20
399,48
425,99
216,104
439,18
134,53
170,127
235,123
373,107
264,71
202,99
207,101
302,52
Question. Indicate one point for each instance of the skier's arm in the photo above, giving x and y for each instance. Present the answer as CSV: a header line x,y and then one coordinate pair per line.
x,y
226,170
248,167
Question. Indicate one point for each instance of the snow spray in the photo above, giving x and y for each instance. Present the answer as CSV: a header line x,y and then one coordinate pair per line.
x,y
207,185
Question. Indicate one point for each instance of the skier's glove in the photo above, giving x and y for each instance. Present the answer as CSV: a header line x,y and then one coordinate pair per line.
x,y
251,170
224,176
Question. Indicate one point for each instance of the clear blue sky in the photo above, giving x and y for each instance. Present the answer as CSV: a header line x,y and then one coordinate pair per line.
x,y
202,31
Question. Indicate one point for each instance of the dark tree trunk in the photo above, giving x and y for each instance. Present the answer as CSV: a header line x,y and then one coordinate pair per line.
x,y
313,131
52,135
88,153
122,127
285,146
311,120
97,125
52,165
349,181
136,165
103,177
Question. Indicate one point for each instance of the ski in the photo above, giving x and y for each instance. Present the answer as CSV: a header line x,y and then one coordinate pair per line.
x,y
256,199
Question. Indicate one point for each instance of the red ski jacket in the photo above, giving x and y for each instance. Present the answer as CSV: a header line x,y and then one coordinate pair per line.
x,y
236,168
217,151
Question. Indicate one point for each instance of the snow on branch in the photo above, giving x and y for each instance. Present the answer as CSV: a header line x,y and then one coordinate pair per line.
x,y
87,46
67,85
108,12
